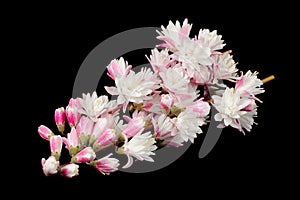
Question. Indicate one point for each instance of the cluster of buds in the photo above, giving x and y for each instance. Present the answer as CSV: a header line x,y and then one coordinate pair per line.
x,y
167,104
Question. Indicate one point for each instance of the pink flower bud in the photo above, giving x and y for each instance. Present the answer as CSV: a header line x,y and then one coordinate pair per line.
x,y
70,170
56,146
50,165
60,119
106,165
105,139
166,101
73,138
134,126
45,132
72,142
85,155
85,126
72,113
201,107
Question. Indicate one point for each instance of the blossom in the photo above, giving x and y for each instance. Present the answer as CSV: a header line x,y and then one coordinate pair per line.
x,y
175,81
94,106
45,132
246,121
70,170
210,39
249,85
118,68
160,60
141,146
192,53
135,87
188,125
174,34
230,107
202,75
106,165
224,67
85,155
50,165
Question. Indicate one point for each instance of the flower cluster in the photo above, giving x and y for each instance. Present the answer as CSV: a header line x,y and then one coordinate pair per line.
x,y
167,104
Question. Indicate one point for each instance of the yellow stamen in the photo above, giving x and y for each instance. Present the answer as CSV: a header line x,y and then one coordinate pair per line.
x,y
267,79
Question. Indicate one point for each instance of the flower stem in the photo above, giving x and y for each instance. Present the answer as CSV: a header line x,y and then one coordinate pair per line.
x,y
267,79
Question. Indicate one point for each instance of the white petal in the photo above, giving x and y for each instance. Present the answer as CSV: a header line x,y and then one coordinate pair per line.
x,y
129,162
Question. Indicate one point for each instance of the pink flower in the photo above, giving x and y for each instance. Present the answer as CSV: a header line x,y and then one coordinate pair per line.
x,y
70,170
56,146
59,116
106,165
50,165
45,132
72,113
85,155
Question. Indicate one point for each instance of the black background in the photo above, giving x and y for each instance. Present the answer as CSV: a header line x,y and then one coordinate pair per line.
x,y
56,39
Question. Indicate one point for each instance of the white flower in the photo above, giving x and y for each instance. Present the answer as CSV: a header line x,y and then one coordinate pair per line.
x,y
200,76
246,121
192,53
249,84
173,34
94,106
175,81
141,146
166,131
210,39
230,107
188,124
50,165
160,60
224,67
135,87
